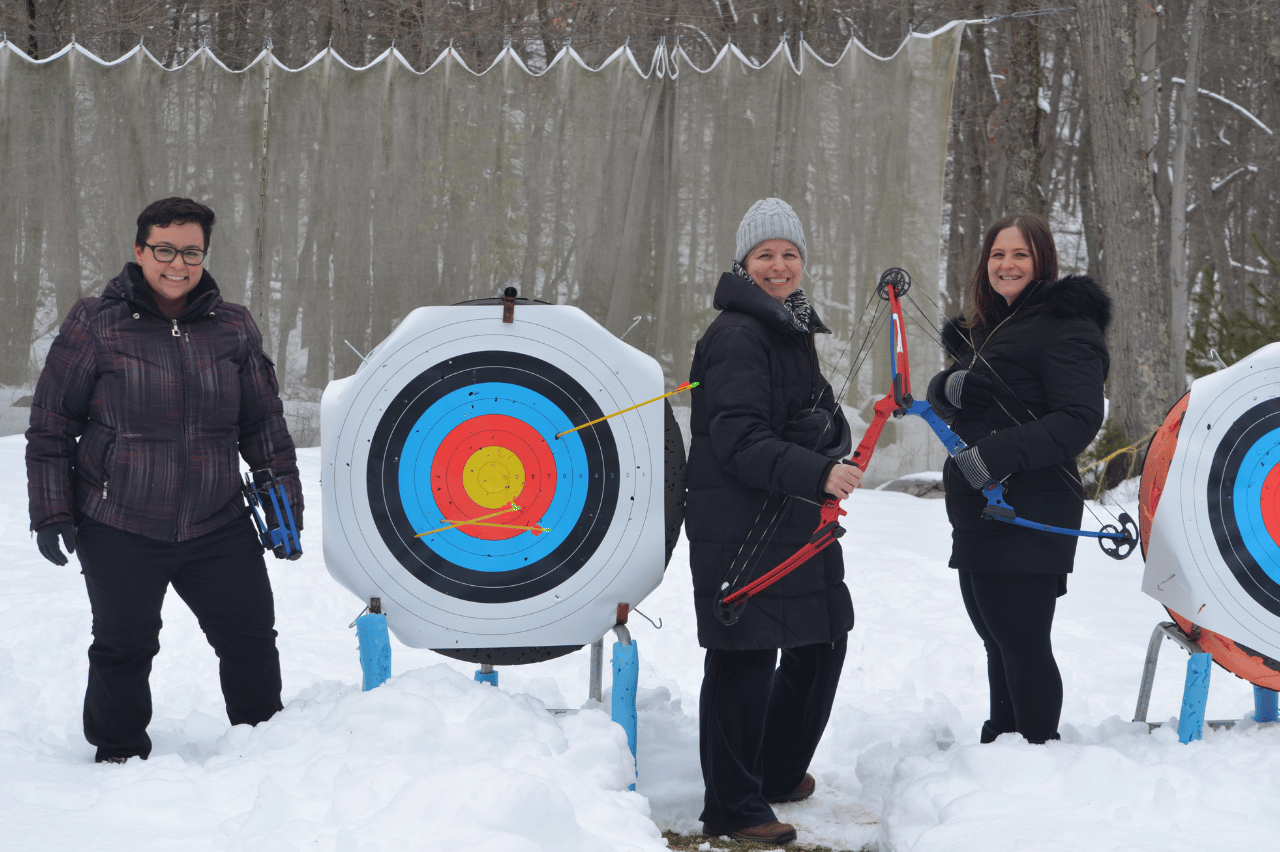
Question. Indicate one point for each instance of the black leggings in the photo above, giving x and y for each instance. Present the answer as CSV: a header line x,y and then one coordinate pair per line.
x,y
759,723
1013,613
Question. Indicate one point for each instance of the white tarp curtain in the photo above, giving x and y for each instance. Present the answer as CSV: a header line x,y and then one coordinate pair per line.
x,y
347,197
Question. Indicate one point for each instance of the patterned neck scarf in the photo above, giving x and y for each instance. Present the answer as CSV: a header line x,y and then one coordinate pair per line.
x,y
797,304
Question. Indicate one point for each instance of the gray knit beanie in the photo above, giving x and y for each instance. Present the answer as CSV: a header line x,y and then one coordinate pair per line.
x,y
768,219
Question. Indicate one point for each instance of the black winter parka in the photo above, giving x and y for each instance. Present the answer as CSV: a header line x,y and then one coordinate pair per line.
x,y
1047,359
139,421
758,374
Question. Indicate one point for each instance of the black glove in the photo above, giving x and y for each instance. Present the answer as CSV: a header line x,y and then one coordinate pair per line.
x,y
821,431
974,469
47,540
937,397
967,389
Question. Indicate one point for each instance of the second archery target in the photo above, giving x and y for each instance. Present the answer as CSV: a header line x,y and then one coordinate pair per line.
x,y
1212,506
457,491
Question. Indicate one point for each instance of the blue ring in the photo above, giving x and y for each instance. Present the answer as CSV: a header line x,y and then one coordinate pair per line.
x,y
453,410
1247,502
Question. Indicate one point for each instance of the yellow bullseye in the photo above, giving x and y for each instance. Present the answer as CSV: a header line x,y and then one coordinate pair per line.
x,y
493,477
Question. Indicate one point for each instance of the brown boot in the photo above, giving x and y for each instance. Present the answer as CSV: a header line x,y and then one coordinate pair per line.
x,y
800,793
774,833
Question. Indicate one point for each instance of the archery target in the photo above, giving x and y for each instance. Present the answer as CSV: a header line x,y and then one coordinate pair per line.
x,y
457,497
1211,509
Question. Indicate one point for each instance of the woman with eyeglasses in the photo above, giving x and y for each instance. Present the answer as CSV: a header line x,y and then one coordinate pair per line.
x,y
1025,392
150,395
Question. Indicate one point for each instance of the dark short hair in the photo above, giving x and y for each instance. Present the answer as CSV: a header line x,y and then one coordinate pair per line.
x,y
983,304
173,211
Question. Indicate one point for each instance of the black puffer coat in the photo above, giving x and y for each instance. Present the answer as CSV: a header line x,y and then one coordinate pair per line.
x,y
162,408
758,374
1047,359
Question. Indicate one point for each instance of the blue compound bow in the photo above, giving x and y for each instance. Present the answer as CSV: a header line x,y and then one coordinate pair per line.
x,y
1116,542
281,537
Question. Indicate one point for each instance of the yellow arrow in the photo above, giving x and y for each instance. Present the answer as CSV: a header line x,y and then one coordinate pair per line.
x,y
456,524
533,528
684,387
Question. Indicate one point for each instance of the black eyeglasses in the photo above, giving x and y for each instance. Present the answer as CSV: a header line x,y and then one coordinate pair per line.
x,y
166,254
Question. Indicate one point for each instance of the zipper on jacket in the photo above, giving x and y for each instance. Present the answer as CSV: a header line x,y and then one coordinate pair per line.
x,y
104,488
177,520
814,393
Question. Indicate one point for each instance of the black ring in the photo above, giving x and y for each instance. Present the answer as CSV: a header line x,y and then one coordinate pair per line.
x,y
524,581
1237,441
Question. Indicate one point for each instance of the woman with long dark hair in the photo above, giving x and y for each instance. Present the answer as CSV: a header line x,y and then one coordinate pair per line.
x,y
1024,389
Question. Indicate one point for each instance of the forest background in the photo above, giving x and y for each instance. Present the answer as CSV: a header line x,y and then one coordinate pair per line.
x,y
1145,132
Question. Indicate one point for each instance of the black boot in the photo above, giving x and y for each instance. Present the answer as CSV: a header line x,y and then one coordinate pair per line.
x,y
989,733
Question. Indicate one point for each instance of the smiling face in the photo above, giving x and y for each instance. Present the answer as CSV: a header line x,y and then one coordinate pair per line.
x,y
1011,266
172,281
776,267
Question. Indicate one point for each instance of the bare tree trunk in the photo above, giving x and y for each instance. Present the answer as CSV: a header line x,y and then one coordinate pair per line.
x,y
1089,204
966,190
544,30
33,43
1178,283
1148,30
1140,343
1023,142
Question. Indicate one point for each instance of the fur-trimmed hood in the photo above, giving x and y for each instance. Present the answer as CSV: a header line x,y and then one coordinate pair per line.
x,y
1073,296
1079,296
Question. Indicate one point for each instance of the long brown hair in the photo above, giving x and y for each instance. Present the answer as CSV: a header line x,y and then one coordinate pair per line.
x,y
984,302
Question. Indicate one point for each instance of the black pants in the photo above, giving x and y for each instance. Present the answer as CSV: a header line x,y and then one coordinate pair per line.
x,y
1013,613
759,727
223,579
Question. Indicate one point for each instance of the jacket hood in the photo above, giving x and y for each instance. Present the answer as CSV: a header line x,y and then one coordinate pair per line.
x,y
129,286
1073,296
1080,296
735,293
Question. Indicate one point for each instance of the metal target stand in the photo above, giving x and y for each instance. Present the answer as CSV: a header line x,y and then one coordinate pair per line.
x,y
1195,691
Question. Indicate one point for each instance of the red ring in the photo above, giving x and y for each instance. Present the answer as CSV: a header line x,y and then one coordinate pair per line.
x,y
513,435
1270,500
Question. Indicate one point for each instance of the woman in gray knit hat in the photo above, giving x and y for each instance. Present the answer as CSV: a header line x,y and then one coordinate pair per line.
x,y
766,450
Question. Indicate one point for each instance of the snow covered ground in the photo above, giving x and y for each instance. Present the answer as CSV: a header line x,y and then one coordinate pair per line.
x,y
433,760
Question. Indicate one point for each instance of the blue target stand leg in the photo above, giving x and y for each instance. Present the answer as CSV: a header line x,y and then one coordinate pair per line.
x,y
626,679
1195,695
1264,705
486,674
375,645
1195,691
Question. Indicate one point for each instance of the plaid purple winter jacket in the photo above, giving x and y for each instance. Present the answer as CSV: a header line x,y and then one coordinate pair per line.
x,y
163,409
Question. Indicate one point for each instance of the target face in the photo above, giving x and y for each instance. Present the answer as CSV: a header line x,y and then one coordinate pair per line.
x,y
460,495
1213,553
1242,505
474,438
